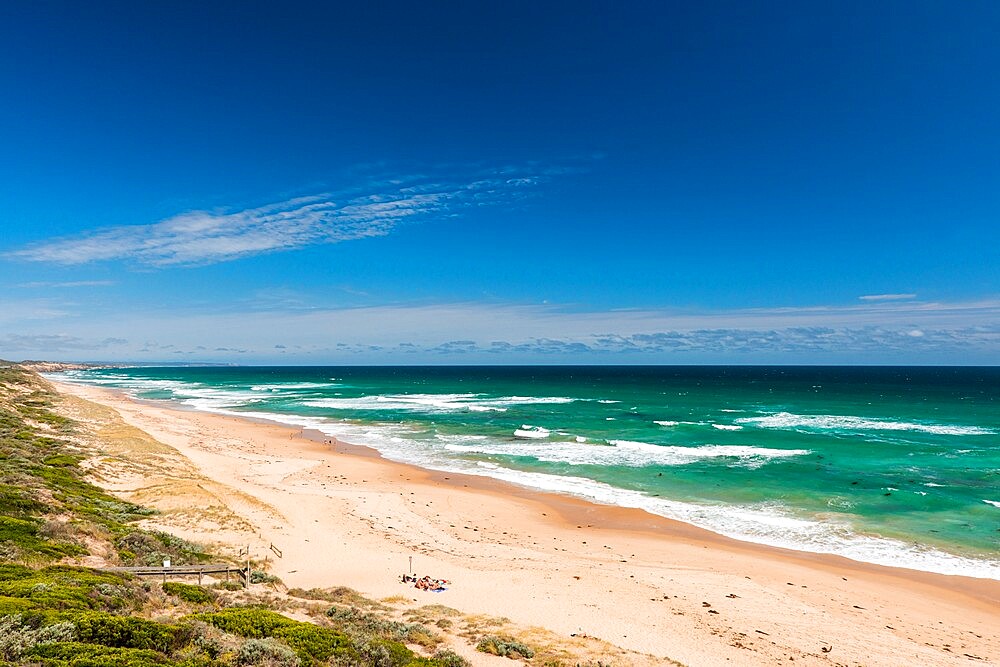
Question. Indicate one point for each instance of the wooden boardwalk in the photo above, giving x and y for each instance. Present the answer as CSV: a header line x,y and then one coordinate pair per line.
x,y
184,571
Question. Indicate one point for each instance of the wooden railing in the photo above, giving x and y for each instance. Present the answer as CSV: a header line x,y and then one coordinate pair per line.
x,y
184,571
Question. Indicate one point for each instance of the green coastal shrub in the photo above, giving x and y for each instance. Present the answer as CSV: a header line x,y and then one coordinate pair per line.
x,y
189,592
18,501
310,642
261,577
68,616
361,623
61,460
266,652
152,548
84,500
227,586
505,647
40,477
384,653
23,540
77,654
127,632
448,658
250,622
64,587
17,636
338,594
18,531
12,572
14,606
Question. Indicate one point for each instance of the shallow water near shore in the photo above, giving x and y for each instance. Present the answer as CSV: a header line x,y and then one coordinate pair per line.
x,y
897,466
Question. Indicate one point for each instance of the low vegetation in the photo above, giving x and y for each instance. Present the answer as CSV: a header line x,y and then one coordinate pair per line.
x,y
505,647
189,592
56,613
48,510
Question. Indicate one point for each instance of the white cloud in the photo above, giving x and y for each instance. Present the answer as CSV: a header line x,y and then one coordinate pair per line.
x,y
205,237
958,332
888,297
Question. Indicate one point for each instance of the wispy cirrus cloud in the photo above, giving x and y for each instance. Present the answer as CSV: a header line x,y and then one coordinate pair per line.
x,y
206,237
887,297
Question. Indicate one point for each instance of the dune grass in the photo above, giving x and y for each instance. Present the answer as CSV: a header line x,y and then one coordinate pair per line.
x,y
56,614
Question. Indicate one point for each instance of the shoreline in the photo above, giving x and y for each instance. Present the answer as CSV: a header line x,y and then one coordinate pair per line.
x,y
628,561
644,516
575,510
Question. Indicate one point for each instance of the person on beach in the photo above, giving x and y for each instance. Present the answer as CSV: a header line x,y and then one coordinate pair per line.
x,y
425,583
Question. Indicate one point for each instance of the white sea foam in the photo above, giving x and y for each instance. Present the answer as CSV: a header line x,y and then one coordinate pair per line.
x,y
624,452
210,398
728,427
670,422
434,402
191,394
673,455
850,423
535,400
531,432
120,381
765,524
607,401
414,402
282,386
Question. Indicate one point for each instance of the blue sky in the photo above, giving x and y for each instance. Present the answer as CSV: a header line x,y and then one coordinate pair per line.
x,y
513,183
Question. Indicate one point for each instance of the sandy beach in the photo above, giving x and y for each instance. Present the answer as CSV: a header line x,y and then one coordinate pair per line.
x,y
341,515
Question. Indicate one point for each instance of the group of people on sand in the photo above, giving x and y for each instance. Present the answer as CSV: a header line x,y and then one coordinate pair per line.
x,y
425,583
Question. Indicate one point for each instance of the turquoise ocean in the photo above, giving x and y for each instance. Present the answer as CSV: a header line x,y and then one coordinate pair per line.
x,y
896,466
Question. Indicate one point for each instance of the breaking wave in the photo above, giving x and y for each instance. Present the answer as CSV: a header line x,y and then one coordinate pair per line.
x,y
849,423
769,524
497,454
434,402
626,453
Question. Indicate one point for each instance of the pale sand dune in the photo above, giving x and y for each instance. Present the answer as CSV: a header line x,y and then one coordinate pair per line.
x,y
343,516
